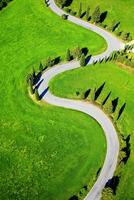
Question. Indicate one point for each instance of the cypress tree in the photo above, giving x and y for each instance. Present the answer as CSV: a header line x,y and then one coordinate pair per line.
x,y
61,2
82,60
80,10
31,87
49,62
68,56
78,53
41,67
96,15
87,13
37,94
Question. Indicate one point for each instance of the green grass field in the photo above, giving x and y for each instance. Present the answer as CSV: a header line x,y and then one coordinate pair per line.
x,y
120,82
118,10
45,152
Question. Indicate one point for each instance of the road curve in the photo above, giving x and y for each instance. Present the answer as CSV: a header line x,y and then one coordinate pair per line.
x,y
93,111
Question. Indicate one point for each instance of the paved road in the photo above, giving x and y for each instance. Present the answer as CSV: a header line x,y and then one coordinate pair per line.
x,y
93,111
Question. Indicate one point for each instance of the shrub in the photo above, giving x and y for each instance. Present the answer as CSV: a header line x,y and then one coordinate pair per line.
x,y
77,53
41,67
68,55
87,13
80,10
31,87
67,9
114,25
64,17
61,2
72,12
82,60
96,15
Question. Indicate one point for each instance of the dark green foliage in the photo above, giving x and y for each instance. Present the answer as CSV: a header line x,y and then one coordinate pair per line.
x,y
68,55
72,12
105,100
78,53
80,10
49,62
64,16
107,194
41,67
125,58
96,15
87,13
98,91
121,111
74,198
37,94
125,36
31,87
61,2
82,60
67,9
114,26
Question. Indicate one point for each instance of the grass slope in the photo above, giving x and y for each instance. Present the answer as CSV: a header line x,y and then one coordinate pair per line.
x,y
45,152
121,83
118,10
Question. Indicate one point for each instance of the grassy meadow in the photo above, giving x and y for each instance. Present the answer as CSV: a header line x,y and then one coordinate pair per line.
x,y
120,82
45,152
119,11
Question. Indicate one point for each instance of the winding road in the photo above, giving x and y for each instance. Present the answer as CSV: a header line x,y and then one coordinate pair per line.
x,y
93,111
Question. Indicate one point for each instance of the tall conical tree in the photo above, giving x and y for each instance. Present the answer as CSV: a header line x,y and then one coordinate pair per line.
x,y
49,62
87,13
37,94
41,67
80,10
68,56
96,15
82,60
78,53
31,87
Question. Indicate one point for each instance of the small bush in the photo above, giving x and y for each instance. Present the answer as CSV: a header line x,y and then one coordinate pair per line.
x,y
64,17
66,9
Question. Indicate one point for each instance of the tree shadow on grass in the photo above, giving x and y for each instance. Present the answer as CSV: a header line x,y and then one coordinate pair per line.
x,y
74,198
83,14
84,50
115,104
56,60
103,16
86,94
106,99
121,111
68,3
116,26
126,149
113,183
98,91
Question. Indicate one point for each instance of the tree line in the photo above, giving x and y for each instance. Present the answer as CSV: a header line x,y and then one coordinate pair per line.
x,y
96,17
34,77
